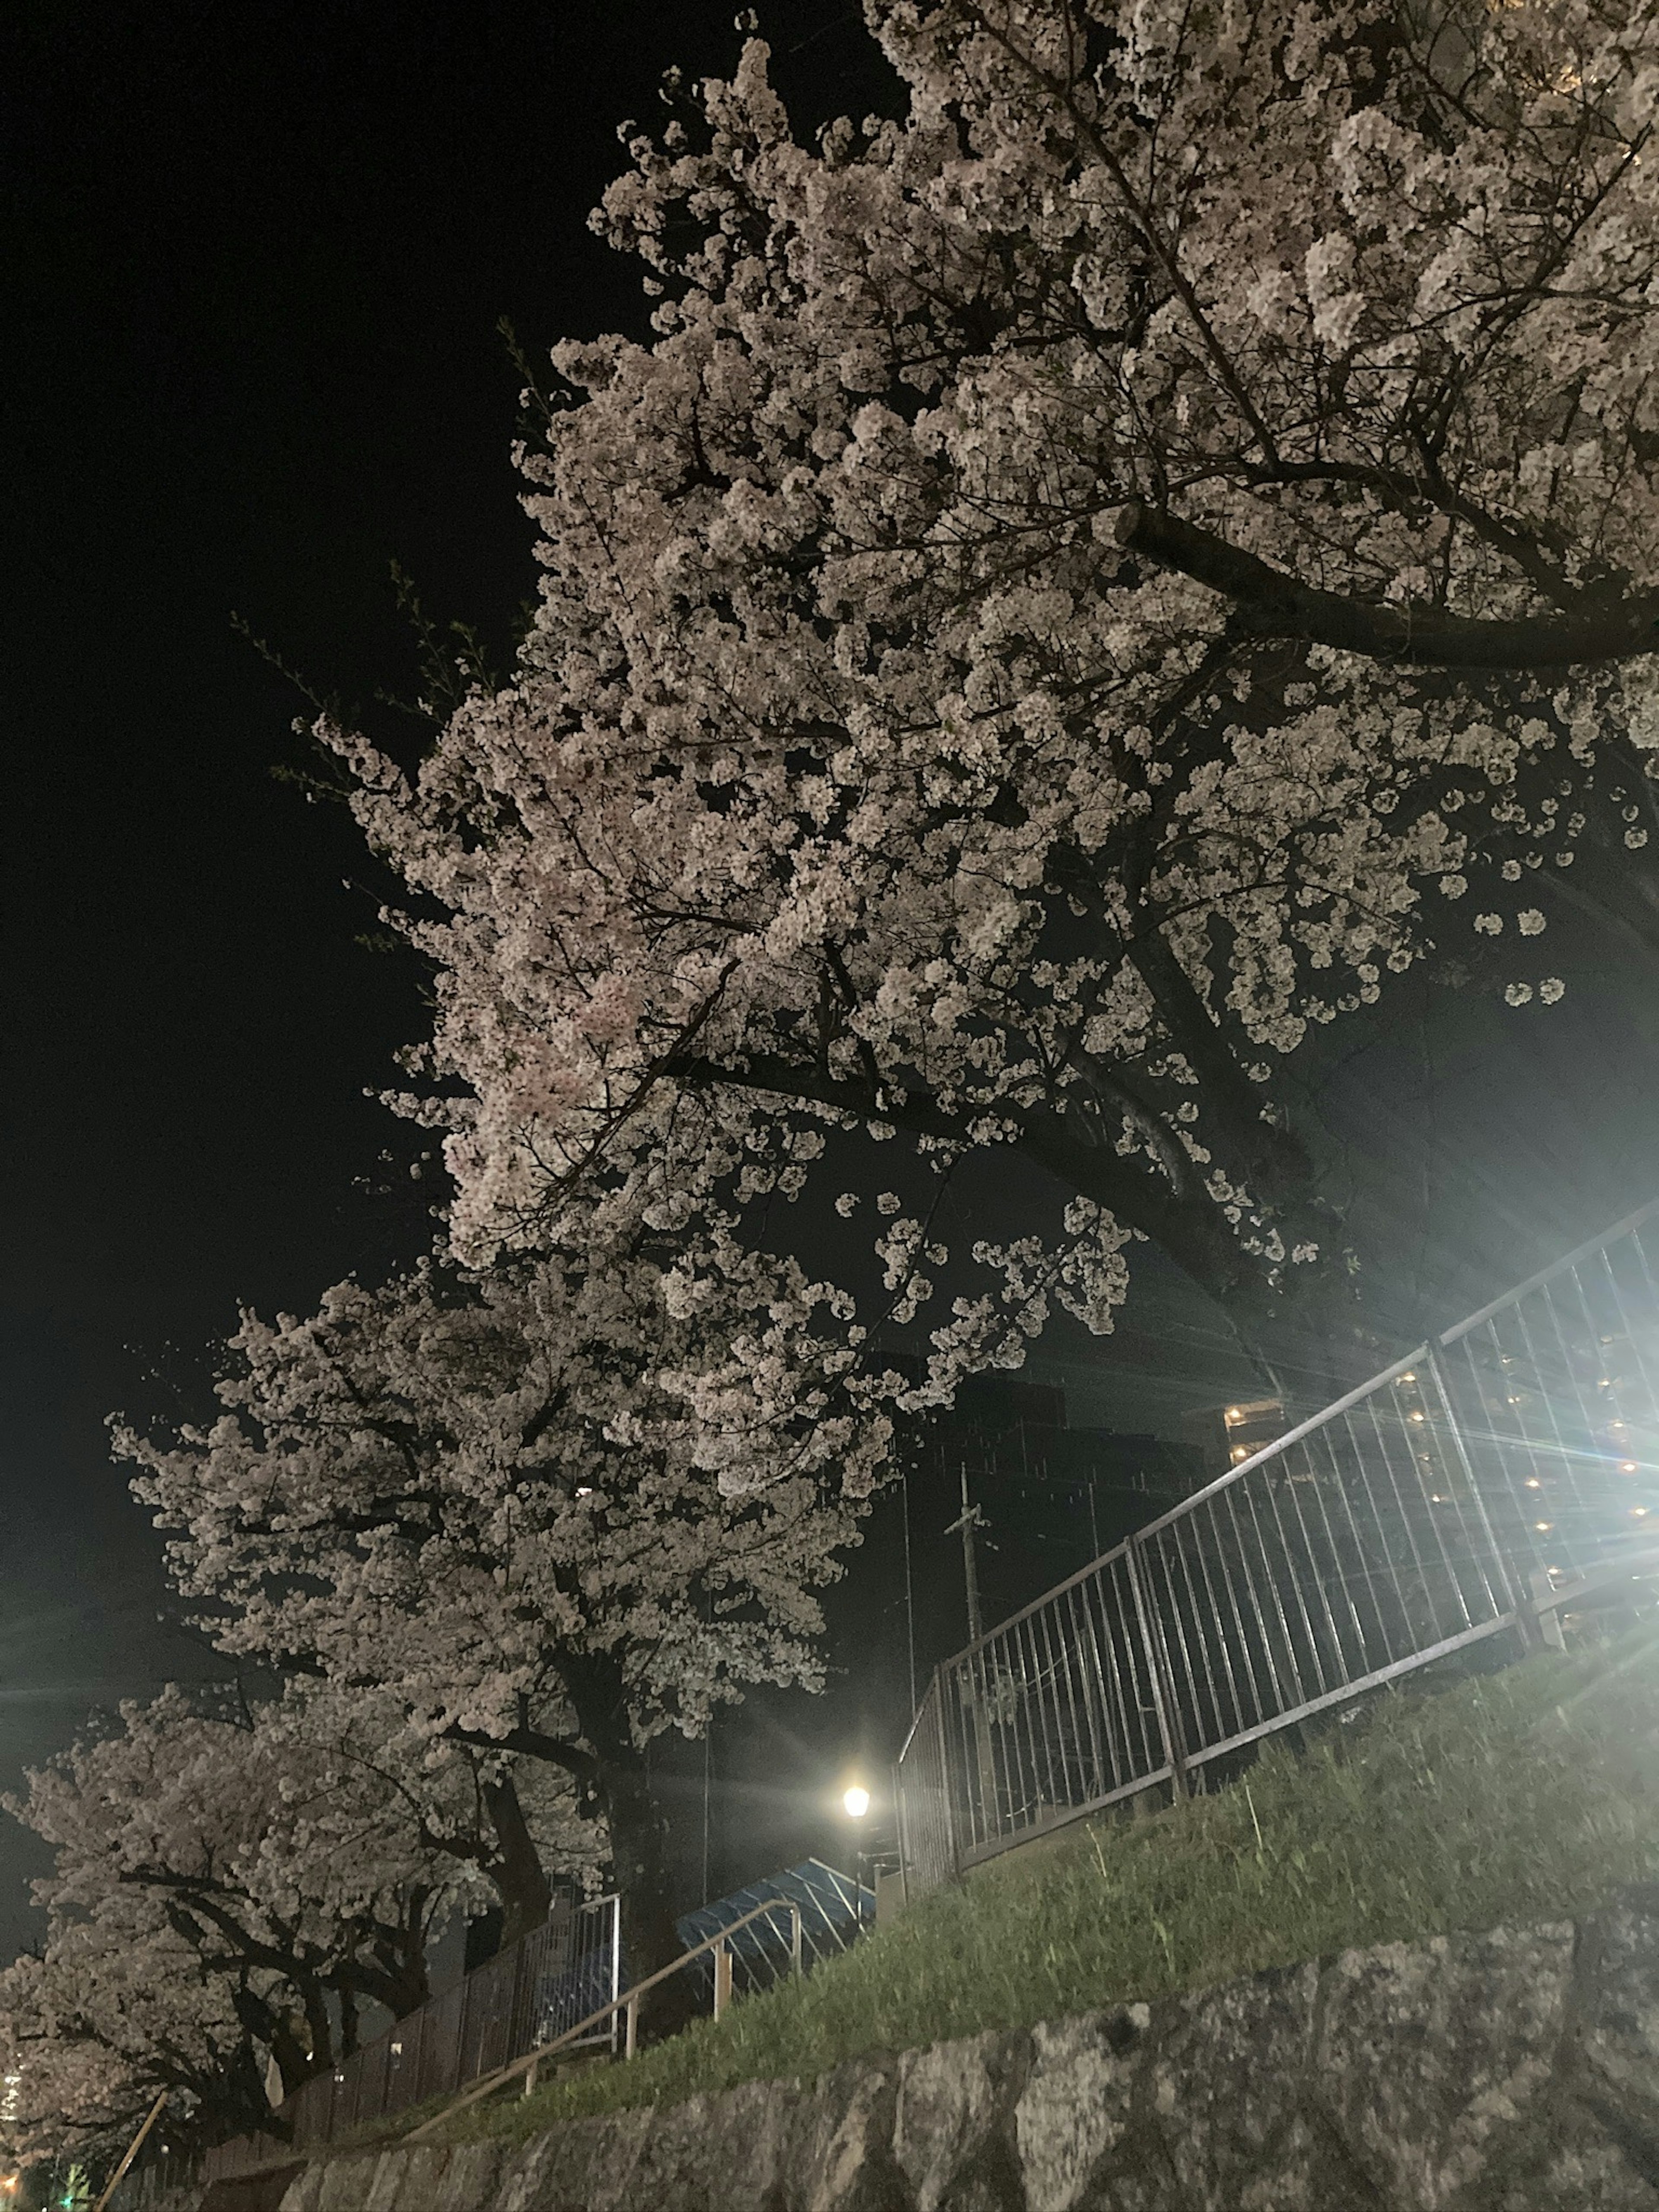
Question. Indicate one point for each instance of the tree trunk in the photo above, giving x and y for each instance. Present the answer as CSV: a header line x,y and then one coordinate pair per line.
x,y
519,1879
639,1840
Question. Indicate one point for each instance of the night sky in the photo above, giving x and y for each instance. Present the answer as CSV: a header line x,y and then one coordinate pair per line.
x,y
253,264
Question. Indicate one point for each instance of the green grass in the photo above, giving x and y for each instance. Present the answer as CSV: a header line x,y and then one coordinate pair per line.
x,y
1525,1795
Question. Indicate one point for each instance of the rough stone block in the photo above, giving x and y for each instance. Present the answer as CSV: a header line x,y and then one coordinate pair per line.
x,y
953,2136
1076,2107
1228,2080
841,2154
1434,2058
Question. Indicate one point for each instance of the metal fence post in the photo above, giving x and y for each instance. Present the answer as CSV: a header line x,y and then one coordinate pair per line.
x,y
946,1779
1536,1618
1161,1674
1494,1550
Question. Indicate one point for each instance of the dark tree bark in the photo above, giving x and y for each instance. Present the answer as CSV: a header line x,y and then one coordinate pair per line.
x,y
1611,628
609,1772
516,1870
639,1838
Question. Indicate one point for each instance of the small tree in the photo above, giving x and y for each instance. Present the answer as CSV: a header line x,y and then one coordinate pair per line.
x,y
117,2009
551,1514
1086,584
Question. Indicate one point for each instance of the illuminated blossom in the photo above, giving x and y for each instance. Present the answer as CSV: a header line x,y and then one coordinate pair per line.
x,y
1073,569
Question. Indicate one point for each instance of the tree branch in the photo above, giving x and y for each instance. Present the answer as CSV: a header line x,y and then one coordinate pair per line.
x,y
533,1744
1413,636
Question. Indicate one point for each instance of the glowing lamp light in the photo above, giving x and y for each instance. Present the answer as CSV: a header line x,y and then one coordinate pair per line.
x,y
856,1802
1533,1483
1628,1466
1543,1524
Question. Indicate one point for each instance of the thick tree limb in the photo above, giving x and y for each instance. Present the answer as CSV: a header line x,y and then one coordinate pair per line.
x,y
531,1743
1416,637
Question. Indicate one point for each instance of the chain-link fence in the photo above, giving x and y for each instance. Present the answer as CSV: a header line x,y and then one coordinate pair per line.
x,y
1461,1494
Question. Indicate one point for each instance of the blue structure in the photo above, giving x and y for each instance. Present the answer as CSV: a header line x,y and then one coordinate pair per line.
x,y
834,1909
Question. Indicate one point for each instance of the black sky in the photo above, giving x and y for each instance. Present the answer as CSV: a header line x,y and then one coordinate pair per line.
x,y
253,261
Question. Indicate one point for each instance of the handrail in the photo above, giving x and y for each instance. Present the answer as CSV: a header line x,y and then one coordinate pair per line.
x,y
131,2152
629,2001
1632,1221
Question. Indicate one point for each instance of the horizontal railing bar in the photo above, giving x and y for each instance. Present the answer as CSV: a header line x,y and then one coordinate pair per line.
x,y
1625,1228
921,1708
1065,1814
1595,1578
1358,1687
1024,1613
1282,1443
1187,1505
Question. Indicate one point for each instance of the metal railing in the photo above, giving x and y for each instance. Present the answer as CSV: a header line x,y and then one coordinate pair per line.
x,y
626,2007
835,1912
1471,1488
557,1992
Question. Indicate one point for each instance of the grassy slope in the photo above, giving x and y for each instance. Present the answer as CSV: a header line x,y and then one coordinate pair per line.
x,y
1527,1796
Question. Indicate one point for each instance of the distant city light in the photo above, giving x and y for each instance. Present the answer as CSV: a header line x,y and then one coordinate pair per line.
x,y
856,1802
1543,1524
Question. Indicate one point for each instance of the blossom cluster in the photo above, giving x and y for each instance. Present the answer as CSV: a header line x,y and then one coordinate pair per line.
x,y
1083,585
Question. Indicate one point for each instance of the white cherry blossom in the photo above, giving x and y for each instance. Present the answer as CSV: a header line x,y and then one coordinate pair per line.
x,y
1080,582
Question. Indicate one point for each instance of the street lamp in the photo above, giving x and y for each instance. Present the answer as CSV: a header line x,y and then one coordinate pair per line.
x,y
856,1802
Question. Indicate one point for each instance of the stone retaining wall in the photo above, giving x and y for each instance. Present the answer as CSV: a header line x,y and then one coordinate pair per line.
x,y
1511,2072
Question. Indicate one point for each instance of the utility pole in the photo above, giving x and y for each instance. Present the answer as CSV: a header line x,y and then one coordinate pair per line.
x,y
971,1518
707,1778
972,1679
909,1586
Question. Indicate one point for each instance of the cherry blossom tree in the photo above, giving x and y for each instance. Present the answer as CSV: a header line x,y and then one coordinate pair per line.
x,y
1084,584
117,2008
229,1889
550,1511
